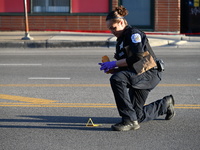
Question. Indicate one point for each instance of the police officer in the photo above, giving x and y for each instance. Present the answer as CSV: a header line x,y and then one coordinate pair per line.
x,y
134,75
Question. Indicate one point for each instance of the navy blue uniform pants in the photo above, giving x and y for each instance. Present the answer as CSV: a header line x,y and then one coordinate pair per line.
x,y
131,91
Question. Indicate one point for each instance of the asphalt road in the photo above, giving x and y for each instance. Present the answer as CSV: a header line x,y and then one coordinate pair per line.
x,y
48,95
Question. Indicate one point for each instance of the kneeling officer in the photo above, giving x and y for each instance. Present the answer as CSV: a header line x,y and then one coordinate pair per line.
x,y
134,74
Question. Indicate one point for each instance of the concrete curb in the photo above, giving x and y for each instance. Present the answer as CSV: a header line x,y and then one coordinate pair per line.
x,y
11,44
107,43
55,44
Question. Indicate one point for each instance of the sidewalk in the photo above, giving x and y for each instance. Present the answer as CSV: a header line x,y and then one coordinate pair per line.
x,y
49,39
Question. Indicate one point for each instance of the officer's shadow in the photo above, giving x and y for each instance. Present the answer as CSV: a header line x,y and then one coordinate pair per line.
x,y
61,122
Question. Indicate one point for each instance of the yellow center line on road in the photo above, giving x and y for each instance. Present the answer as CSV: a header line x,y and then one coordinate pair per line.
x,y
88,85
57,105
37,102
54,85
26,99
76,105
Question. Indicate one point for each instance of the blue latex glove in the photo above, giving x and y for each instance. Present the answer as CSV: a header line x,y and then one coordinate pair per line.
x,y
108,65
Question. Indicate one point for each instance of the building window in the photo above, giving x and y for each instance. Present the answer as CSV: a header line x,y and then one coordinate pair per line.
x,y
140,12
70,6
50,5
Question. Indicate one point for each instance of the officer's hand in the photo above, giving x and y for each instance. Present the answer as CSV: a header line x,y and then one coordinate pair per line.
x,y
106,66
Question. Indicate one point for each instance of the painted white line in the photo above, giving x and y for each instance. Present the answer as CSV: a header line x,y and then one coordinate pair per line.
x,y
48,78
20,64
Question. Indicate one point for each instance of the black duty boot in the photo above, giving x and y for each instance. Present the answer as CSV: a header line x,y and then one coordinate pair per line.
x,y
170,107
126,126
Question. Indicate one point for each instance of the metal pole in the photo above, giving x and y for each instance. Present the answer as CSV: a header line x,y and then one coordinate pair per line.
x,y
27,36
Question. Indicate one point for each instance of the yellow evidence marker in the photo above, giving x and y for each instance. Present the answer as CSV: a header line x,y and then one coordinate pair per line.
x,y
91,124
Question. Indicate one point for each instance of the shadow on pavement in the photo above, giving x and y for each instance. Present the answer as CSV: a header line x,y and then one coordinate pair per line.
x,y
59,122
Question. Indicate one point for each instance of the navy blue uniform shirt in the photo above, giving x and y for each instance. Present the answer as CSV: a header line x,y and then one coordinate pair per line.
x,y
130,45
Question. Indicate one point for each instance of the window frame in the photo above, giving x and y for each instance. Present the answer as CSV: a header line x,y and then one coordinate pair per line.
x,y
31,13
32,8
70,13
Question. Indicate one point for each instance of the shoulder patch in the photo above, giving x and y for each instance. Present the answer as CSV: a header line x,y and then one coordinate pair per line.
x,y
136,38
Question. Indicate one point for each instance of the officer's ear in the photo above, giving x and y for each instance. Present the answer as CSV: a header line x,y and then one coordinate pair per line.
x,y
121,22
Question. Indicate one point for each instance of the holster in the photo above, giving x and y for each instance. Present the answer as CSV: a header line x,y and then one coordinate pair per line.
x,y
160,65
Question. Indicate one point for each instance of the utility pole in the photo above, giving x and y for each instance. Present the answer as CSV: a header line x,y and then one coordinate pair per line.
x,y
27,36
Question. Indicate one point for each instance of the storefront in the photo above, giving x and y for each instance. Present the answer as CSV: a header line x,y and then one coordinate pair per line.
x,y
190,12
89,15
55,14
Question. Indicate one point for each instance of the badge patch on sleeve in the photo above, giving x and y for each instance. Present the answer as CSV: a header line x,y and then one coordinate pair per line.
x,y
136,38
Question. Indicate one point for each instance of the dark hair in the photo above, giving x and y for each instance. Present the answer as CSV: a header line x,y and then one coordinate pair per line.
x,y
118,13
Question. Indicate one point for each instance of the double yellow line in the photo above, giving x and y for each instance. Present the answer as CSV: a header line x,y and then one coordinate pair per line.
x,y
88,85
37,102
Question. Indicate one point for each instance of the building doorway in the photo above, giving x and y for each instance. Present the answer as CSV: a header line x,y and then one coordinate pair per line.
x,y
190,16
141,13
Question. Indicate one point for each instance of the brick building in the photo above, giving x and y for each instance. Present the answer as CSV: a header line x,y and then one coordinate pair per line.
x,y
89,15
